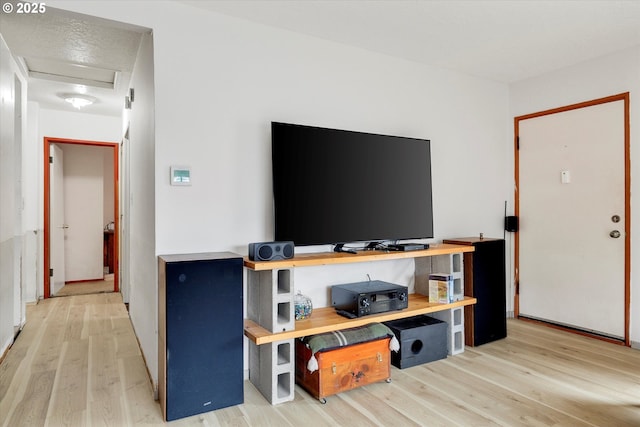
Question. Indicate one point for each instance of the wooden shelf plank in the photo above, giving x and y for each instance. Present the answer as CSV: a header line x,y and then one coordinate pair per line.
x,y
329,258
326,319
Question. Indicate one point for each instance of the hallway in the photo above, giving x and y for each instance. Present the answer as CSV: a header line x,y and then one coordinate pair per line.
x,y
76,363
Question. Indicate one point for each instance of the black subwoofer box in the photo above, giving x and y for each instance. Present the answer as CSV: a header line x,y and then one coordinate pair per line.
x,y
422,339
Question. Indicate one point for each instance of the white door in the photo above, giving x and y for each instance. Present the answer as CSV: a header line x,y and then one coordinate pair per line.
x,y
57,222
571,188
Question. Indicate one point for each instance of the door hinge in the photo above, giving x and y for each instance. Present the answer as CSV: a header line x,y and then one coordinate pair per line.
x,y
51,272
50,159
517,143
517,287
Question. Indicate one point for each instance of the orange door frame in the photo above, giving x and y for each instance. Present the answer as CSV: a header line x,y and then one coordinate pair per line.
x,y
47,199
627,210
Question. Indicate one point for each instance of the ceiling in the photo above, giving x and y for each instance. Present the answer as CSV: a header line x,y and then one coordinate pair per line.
x,y
66,53
500,40
504,41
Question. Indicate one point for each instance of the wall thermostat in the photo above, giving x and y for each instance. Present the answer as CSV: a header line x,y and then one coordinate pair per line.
x,y
180,175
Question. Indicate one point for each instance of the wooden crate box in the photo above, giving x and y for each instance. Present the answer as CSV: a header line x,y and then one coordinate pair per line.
x,y
343,368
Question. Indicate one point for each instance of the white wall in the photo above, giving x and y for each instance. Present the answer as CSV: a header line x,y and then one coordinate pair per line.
x,y
219,82
32,163
602,77
141,290
78,125
13,108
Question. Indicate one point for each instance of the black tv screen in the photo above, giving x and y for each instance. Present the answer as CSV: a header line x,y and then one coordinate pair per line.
x,y
334,186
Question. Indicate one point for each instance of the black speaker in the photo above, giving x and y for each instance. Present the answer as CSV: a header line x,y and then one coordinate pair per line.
x,y
269,251
484,279
422,339
511,223
200,333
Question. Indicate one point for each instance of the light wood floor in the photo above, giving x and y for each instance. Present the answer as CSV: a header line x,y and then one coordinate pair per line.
x,y
77,363
83,288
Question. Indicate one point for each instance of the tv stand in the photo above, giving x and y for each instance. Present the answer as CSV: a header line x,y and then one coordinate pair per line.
x,y
271,327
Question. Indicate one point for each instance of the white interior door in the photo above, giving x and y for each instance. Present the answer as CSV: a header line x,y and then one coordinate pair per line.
x,y
84,211
571,186
57,221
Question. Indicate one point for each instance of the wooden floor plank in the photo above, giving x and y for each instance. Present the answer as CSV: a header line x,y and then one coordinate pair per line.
x,y
376,411
257,411
67,419
125,341
337,410
623,359
8,369
48,348
416,382
546,388
492,401
412,403
590,375
81,288
553,386
69,399
140,408
75,322
32,408
17,366
299,412
104,375
106,411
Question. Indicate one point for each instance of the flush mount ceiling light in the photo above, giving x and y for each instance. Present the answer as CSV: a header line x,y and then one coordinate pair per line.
x,y
79,101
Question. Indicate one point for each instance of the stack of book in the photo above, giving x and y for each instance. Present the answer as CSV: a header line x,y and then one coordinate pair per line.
x,y
441,288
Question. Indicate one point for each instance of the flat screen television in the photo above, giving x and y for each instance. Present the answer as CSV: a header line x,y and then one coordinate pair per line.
x,y
335,186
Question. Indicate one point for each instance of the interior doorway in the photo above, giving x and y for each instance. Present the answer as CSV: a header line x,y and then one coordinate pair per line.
x,y
573,201
55,225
